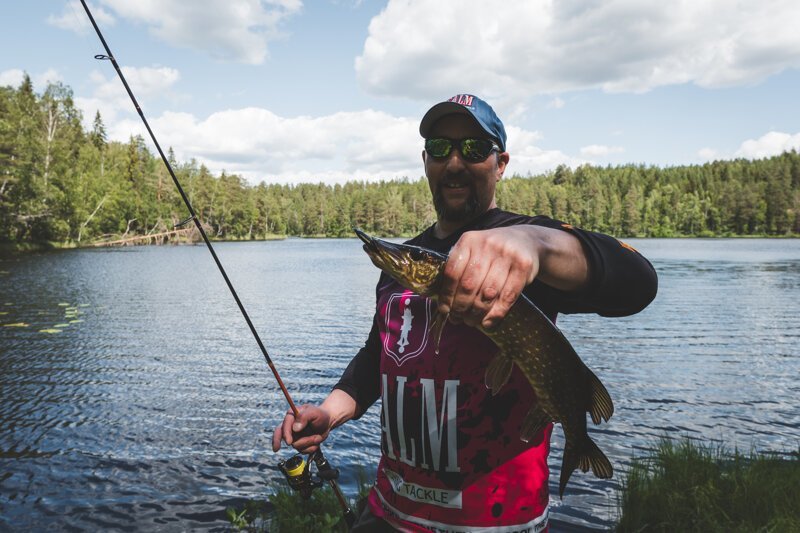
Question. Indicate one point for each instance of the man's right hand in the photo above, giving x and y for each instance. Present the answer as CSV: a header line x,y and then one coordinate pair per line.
x,y
314,422
305,432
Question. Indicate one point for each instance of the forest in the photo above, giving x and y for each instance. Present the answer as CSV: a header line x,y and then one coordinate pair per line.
x,y
67,186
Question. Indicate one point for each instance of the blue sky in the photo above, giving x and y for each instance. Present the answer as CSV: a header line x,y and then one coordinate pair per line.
x,y
289,91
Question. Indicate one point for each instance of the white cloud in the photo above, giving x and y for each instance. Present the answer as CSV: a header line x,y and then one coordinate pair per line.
x,y
556,103
237,30
600,150
769,144
109,96
73,18
262,146
14,77
544,47
11,77
708,154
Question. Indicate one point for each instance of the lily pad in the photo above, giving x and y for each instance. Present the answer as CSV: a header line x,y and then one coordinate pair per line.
x,y
63,304
61,326
17,325
75,321
50,330
3,313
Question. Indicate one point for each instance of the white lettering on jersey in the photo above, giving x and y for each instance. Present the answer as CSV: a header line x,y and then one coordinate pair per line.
x,y
385,426
436,430
401,430
433,429
419,493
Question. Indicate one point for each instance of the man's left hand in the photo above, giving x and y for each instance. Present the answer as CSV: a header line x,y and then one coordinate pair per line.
x,y
486,272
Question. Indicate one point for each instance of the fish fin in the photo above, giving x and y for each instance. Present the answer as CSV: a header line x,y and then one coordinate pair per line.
x,y
533,424
600,404
436,328
498,372
584,457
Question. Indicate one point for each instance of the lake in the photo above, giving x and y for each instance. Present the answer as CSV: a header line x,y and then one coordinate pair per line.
x,y
132,395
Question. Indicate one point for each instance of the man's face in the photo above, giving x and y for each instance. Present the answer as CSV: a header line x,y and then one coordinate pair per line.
x,y
462,190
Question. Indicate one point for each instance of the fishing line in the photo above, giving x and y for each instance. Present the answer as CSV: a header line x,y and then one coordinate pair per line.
x,y
326,472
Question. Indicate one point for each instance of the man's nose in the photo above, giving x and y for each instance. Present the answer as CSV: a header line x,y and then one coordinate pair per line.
x,y
454,161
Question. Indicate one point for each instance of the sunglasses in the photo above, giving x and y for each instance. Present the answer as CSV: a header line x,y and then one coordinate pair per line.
x,y
472,150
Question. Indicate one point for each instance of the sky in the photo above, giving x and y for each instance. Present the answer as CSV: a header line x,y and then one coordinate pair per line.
x,y
290,91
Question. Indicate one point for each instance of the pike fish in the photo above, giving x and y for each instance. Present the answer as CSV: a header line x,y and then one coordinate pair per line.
x,y
565,387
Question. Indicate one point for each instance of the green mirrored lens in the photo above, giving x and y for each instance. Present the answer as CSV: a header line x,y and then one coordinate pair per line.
x,y
438,147
476,149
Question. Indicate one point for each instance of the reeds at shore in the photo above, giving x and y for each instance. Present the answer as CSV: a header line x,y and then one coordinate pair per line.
x,y
690,486
680,485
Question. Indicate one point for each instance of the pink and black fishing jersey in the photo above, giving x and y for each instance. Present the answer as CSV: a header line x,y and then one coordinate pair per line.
x,y
452,459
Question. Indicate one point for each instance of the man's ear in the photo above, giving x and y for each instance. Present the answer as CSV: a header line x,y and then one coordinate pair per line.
x,y
502,162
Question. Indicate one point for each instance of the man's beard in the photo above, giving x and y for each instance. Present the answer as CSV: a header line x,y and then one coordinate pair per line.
x,y
456,214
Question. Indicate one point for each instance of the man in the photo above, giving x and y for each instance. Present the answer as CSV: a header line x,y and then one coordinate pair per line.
x,y
451,456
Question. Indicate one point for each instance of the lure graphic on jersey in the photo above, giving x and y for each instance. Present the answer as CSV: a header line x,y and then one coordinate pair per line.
x,y
406,332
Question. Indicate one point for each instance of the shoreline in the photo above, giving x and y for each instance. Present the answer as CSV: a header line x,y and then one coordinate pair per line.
x,y
9,248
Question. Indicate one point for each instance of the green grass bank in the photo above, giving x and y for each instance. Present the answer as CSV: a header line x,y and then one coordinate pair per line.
x,y
690,486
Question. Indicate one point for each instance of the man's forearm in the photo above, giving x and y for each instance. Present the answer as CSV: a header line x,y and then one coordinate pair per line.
x,y
340,406
562,260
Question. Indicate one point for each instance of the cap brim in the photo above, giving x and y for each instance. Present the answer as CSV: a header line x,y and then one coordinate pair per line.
x,y
443,109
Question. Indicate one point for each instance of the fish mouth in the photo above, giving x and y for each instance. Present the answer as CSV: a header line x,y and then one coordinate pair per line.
x,y
369,243
378,250
385,255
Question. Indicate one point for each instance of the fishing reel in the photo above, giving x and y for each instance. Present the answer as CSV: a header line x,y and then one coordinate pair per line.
x,y
299,476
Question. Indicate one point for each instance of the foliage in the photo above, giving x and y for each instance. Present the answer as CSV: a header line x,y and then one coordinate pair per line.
x,y
61,184
288,512
692,487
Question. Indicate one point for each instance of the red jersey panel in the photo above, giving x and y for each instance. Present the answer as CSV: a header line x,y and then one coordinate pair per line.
x,y
450,449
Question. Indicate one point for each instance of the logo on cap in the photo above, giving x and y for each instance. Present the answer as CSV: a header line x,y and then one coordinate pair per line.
x,y
463,99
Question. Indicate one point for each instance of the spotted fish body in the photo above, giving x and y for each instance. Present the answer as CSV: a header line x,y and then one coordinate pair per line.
x,y
565,387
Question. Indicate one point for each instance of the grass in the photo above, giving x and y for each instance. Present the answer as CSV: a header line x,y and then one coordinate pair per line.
x,y
287,512
686,486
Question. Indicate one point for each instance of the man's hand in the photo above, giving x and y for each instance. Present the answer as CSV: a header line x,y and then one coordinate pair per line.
x,y
304,433
487,270
314,423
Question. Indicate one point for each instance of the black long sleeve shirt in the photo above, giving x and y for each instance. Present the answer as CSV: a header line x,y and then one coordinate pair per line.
x,y
621,282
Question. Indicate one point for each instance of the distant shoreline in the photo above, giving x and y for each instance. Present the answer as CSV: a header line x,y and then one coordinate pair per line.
x,y
7,248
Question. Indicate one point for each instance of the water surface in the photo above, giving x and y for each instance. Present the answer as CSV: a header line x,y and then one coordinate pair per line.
x,y
132,395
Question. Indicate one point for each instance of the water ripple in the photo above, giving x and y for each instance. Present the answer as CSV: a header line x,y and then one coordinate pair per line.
x,y
154,409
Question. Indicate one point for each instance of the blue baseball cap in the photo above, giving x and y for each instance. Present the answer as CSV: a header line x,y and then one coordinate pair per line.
x,y
472,106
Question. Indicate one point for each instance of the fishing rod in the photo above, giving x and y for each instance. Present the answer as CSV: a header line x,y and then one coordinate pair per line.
x,y
297,470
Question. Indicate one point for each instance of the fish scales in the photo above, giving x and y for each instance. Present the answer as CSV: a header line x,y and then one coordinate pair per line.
x,y
566,389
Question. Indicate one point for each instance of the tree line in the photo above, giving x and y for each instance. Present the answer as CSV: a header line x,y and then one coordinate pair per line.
x,y
64,184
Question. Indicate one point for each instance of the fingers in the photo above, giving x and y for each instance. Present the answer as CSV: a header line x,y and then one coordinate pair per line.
x,y
283,432
308,444
453,270
461,295
501,304
304,432
495,287
484,275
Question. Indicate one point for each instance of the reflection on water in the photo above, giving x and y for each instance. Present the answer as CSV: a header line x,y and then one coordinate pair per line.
x,y
133,397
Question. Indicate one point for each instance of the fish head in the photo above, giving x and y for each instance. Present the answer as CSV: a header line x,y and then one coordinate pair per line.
x,y
415,268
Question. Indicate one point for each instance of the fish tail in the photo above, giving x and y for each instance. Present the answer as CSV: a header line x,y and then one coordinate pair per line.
x,y
601,406
585,456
